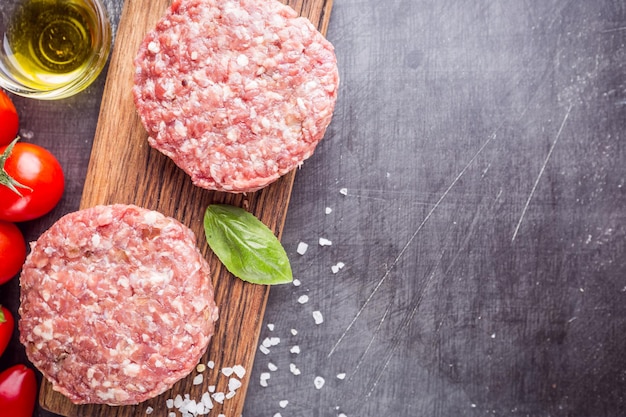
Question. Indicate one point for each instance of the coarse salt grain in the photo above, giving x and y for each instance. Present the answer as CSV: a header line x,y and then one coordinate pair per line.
x,y
295,349
341,376
210,364
318,382
169,403
317,316
263,349
197,380
211,388
283,403
272,367
230,394
342,415
303,299
302,248
239,370
294,332
219,397
328,210
171,414
274,341
325,242
270,327
343,191
337,267
294,369
277,415
296,282
149,410
227,371
234,384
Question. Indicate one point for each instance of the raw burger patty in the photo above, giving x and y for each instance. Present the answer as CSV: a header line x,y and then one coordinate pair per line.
x,y
116,304
237,93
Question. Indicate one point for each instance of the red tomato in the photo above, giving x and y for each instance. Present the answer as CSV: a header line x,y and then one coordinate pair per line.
x,y
36,169
9,120
18,391
12,251
6,328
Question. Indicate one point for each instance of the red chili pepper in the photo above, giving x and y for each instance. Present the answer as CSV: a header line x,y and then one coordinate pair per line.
x,y
6,328
18,392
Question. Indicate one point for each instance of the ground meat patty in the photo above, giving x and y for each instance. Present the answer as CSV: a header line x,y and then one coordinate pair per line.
x,y
116,304
236,92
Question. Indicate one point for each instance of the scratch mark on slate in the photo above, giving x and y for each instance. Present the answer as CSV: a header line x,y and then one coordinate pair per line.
x,y
411,239
541,171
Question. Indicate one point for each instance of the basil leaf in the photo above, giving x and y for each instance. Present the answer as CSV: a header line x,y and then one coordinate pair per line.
x,y
246,247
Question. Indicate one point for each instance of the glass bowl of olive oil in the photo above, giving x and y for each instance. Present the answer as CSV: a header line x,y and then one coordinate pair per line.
x,y
52,49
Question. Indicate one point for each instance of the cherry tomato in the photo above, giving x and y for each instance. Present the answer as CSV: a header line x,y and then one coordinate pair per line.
x,y
38,177
6,328
18,391
9,120
12,251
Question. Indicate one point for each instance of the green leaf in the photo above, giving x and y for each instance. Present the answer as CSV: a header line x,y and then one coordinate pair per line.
x,y
247,247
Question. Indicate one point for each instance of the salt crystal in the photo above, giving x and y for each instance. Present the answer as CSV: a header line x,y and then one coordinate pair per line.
x,y
171,414
221,415
265,375
295,349
337,267
234,384
341,376
191,406
266,342
270,326
219,397
343,191
303,299
230,394
302,247
342,415
277,415
325,242
294,369
328,210
211,388
178,401
149,410
264,349
296,282
197,380
263,383
206,400
169,403
272,367
239,370
318,382
227,371
274,341
294,332
210,364
317,316
283,403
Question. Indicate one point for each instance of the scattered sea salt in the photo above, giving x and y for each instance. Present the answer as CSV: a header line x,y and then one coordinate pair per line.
x,y
296,282
303,299
294,332
230,394
270,327
294,369
272,367
197,380
277,415
302,247
149,410
234,384
227,371
325,242
169,403
342,415
337,267
219,397
328,210
239,370
263,349
295,349
343,191
318,382
264,377
283,403
317,316
211,388
210,364
341,376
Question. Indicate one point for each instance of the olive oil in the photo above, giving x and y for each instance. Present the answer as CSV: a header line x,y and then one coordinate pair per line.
x,y
50,42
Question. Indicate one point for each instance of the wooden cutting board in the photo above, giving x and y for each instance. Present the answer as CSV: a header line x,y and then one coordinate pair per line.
x,y
124,169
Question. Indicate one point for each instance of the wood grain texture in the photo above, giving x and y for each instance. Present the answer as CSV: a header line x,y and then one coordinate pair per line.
x,y
124,169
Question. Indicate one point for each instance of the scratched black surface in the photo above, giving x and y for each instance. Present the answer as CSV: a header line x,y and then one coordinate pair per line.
x,y
481,145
